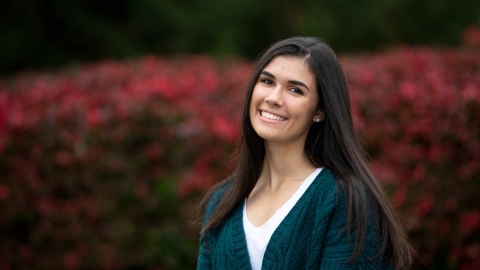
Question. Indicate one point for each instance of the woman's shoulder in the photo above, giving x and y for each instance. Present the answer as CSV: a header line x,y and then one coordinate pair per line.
x,y
326,179
342,194
344,189
326,185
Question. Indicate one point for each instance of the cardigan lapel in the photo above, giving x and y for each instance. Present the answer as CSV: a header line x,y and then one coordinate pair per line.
x,y
239,247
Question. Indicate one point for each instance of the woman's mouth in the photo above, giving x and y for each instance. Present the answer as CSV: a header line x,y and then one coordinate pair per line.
x,y
272,116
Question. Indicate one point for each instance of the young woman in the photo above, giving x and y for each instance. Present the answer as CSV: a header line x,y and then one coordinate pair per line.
x,y
302,195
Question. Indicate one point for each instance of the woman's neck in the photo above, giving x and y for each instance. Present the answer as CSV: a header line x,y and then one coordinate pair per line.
x,y
284,163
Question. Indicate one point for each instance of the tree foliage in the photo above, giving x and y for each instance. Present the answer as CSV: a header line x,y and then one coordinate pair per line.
x,y
49,33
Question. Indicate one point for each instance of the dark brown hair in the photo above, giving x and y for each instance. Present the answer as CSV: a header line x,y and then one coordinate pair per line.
x,y
331,143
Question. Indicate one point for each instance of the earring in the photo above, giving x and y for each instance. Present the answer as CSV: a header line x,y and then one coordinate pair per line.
x,y
317,119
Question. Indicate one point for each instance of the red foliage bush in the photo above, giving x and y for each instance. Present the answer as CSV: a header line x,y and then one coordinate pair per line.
x,y
419,116
101,165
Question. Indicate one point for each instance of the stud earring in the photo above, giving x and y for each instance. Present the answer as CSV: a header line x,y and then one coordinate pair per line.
x,y
317,119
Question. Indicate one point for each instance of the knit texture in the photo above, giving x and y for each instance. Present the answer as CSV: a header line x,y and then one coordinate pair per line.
x,y
312,235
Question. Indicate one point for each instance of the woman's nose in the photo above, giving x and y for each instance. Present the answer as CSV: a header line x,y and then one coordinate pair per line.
x,y
275,97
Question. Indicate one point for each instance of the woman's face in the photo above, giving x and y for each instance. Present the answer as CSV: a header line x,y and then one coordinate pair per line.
x,y
284,101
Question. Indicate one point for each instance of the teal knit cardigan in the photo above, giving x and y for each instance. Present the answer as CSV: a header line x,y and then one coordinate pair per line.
x,y
312,235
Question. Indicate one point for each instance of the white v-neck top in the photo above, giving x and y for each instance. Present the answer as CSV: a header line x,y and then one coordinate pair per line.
x,y
258,237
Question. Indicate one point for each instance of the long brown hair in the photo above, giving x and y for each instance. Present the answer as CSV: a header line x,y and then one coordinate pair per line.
x,y
331,143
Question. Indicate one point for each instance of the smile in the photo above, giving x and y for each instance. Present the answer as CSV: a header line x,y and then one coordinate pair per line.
x,y
272,116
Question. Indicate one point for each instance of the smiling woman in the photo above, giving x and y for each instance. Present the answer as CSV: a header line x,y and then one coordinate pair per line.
x,y
284,102
302,195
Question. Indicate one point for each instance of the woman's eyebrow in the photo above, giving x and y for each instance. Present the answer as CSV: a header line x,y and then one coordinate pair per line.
x,y
266,73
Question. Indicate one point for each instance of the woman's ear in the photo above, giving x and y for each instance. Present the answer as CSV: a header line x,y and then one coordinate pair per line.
x,y
319,116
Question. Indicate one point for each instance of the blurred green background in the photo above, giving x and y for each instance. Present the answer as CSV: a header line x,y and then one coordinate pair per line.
x,y
51,33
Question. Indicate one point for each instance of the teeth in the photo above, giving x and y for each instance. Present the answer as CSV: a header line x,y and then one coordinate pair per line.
x,y
272,116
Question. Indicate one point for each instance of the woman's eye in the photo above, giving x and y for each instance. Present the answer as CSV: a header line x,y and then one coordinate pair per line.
x,y
267,81
296,90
